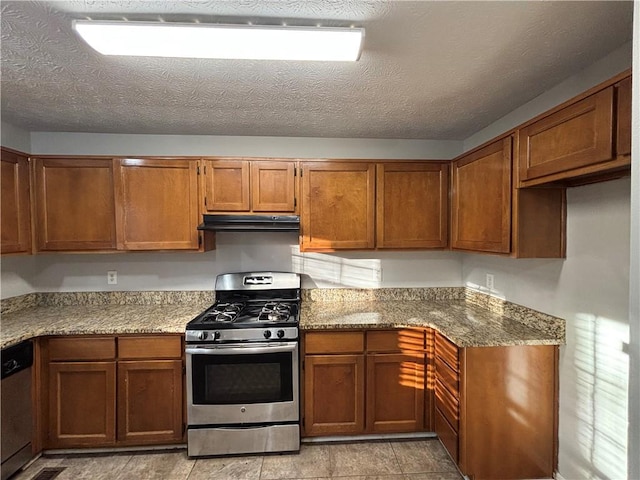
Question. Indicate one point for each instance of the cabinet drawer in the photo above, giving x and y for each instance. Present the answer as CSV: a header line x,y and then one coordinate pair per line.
x,y
395,340
447,435
82,348
151,346
447,351
450,379
447,404
334,342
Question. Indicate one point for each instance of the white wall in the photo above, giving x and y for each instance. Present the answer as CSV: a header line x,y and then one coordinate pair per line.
x,y
14,137
235,252
58,143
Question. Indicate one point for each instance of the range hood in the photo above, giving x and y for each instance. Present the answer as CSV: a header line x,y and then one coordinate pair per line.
x,y
251,223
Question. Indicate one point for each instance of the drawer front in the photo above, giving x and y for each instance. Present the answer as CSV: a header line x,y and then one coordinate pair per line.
x,y
448,405
450,379
447,435
150,346
334,342
447,351
395,340
81,348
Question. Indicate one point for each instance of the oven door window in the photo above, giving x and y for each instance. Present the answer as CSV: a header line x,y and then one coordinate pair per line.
x,y
242,379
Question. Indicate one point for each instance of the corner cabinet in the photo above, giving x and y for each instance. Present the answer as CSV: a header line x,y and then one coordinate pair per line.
x,y
338,206
490,215
495,408
15,213
481,209
156,204
94,397
232,185
74,204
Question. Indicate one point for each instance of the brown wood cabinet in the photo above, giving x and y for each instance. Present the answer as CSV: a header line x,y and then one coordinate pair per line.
x,y
15,214
338,205
585,140
74,204
488,215
412,207
232,185
341,398
94,397
481,205
496,408
157,204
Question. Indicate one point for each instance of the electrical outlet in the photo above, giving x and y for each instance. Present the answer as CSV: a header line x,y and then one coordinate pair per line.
x,y
112,277
489,281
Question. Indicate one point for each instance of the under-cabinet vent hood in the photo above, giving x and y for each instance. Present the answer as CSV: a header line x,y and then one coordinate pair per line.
x,y
251,223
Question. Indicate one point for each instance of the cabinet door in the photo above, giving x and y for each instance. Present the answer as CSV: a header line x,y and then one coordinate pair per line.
x,y
395,392
337,206
149,401
411,205
74,204
273,186
15,213
82,404
226,186
157,204
623,137
576,136
334,394
481,210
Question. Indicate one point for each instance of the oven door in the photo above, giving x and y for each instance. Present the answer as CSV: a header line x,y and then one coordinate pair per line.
x,y
242,383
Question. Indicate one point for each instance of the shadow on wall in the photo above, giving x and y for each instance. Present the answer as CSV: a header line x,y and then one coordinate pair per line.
x,y
596,352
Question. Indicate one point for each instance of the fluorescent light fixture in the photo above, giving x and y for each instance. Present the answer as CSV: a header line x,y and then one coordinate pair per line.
x,y
197,40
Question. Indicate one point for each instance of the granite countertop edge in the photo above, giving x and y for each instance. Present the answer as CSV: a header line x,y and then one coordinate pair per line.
x,y
467,319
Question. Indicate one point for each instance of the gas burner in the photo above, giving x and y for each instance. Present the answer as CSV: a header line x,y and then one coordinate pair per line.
x,y
275,312
223,312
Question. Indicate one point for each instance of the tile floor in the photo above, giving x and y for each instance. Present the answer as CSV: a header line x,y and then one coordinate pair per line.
x,y
396,460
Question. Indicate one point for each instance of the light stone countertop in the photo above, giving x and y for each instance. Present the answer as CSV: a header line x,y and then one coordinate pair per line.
x,y
465,317
95,319
464,323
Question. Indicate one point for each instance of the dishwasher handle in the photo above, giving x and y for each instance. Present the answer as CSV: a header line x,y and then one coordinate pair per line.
x,y
16,358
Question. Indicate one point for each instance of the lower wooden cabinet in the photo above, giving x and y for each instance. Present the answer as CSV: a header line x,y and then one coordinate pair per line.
x,y
365,382
92,397
82,404
334,394
149,401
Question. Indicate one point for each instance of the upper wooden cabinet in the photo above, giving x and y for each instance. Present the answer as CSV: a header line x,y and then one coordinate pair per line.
x,y
157,204
481,201
412,204
579,142
15,213
338,201
488,215
244,186
74,203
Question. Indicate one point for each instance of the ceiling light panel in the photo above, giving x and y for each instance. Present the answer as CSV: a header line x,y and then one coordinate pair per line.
x,y
244,42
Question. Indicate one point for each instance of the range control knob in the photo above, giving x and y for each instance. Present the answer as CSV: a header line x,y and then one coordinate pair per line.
x,y
267,334
280,333
216,335
202,336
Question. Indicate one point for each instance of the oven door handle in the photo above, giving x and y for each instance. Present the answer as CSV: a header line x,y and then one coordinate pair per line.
x,y
248,349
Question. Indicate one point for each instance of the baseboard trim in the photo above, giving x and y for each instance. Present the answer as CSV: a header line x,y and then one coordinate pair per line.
x,y
369,438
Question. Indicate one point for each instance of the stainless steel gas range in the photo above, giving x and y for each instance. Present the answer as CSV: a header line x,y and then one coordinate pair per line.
x,y
242,367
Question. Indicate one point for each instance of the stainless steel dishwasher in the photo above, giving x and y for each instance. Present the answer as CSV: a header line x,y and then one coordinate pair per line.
x,y
15,400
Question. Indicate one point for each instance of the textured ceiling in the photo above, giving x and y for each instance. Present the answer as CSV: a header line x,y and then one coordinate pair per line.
x,y
429,69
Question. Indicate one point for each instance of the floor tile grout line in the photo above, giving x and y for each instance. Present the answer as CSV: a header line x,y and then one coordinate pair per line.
x,y
395,455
